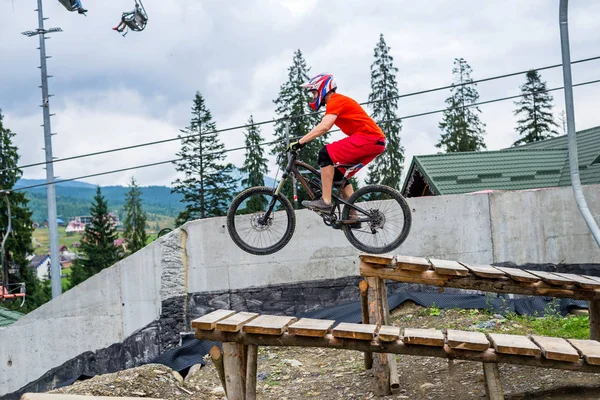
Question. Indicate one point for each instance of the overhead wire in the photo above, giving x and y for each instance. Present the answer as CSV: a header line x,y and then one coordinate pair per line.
x,y
279,140
275,120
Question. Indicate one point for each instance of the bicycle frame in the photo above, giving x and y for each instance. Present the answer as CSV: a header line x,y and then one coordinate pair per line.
x,y
292,168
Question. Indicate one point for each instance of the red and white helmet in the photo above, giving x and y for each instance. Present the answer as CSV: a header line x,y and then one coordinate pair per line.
x,y
323,84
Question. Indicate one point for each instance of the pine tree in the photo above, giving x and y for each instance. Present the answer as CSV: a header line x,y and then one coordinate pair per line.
x,y
535,109
463,130
98,250
387,168
18,243
208,185
135,219
255,165
293,100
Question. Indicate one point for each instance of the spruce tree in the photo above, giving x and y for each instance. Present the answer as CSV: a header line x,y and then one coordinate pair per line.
x,y
18,244
208,183
535,110
135,219
461,126
98,250
387,168
293,101
255,165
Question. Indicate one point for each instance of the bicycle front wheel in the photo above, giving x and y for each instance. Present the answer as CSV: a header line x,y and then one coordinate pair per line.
x,y
252,230
389,219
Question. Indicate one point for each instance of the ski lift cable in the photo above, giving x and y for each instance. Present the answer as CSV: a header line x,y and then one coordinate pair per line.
x,y
190,136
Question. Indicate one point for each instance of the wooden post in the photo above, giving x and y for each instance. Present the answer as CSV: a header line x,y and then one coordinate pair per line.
x,y
233,354
493,384
595,319
385,309
217,356
364,305
252,361
381,365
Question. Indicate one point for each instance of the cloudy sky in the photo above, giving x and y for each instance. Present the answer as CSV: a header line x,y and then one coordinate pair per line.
x,y
112,91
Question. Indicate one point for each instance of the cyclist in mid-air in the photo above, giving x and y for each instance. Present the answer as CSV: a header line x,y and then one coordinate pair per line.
x,y
365,139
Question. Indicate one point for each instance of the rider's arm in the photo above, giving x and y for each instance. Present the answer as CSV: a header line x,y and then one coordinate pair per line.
x,y
323,127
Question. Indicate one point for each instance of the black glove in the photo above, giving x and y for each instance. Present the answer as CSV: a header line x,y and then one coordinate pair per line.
x,y
295,146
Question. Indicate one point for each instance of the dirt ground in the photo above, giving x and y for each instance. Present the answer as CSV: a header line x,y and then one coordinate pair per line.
x,y
301,373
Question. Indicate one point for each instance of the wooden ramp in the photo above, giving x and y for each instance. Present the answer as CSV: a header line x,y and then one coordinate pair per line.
x,y
270,330
445,273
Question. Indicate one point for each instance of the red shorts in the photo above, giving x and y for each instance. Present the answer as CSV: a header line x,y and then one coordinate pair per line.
x,y
355,149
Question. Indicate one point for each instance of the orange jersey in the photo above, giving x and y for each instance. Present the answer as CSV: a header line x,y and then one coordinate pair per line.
x,y
351,118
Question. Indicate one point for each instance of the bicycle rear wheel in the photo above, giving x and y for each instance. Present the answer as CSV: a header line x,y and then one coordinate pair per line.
x,y
390,219
249,229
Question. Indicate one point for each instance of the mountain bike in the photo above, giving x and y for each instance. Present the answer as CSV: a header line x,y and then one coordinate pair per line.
x,y
261,220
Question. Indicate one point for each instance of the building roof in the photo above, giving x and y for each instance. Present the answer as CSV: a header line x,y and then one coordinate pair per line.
x,y
8,317
36,261
535,165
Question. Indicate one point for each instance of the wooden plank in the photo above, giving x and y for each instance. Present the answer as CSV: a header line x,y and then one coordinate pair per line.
x,y
462,340
378,260
412,263
589,350
554,348
446,267
311,327
423,337
269,325
513,344
484,271
354,331
388,333
551,278
378,311
209,321
235,322
580,280
519,275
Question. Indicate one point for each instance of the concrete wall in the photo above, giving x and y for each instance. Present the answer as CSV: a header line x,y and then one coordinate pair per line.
x,y
537,226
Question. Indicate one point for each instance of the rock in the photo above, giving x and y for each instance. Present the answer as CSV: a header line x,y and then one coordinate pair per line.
x,y
193,369
218,390
158,371
178,376
426,386
292,363
498,316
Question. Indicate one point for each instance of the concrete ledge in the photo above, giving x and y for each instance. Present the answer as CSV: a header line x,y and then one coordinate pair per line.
x,y
44,396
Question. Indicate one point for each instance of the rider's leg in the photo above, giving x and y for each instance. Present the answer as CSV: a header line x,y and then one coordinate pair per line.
x,y
327,182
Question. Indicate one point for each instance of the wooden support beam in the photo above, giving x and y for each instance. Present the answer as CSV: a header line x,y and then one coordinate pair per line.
x,y
217,356
398,347
233,361
381,366
595,320
493,383
252,363
364,306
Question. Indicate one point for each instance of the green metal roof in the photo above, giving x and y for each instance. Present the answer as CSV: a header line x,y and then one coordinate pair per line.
x,y
588,154
534,165
8,317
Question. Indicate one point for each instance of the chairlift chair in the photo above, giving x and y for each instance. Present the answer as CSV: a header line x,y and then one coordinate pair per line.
x,y
137,19
9,291
68,5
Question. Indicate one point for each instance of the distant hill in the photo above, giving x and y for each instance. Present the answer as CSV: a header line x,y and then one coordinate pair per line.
x,y
74,198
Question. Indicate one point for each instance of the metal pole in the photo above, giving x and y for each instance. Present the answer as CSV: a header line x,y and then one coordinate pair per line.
x,y
570,109
287,141
55,270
